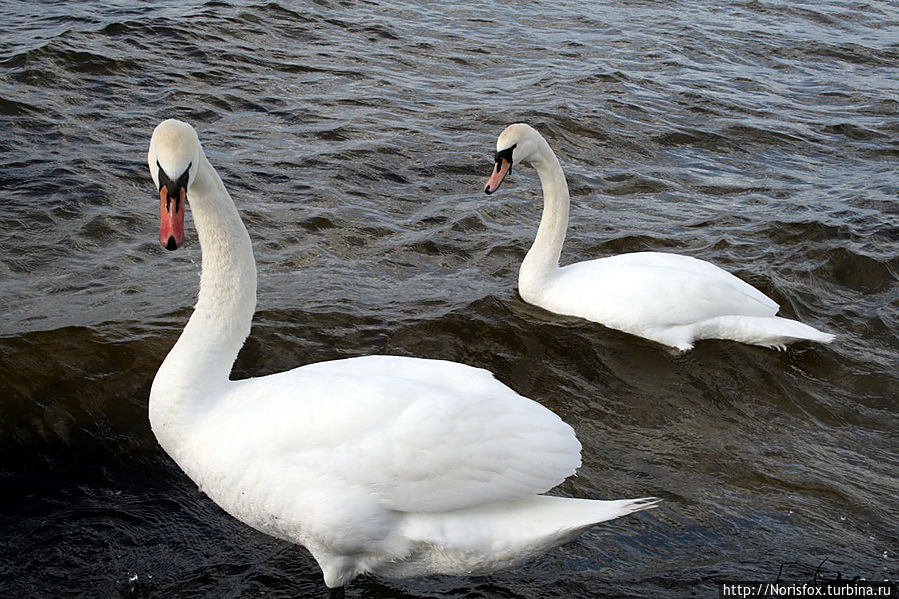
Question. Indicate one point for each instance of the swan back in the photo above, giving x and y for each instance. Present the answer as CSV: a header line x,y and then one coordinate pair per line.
x,y
419,435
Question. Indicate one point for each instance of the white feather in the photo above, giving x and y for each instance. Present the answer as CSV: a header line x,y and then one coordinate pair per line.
x,y
391,465
668,298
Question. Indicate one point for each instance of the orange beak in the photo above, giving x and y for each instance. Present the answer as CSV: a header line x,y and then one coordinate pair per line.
x,y
499,173
171,218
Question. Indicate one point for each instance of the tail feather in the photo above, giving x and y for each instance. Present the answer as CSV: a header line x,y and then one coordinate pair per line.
x,y
768,331
488,537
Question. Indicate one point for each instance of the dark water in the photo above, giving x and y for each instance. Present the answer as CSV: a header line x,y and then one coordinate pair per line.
x,y
356,138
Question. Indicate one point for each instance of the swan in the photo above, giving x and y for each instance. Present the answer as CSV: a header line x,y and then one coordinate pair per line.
x,y
388,465
668,298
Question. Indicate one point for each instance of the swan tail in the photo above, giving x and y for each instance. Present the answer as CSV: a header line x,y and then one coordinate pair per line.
x,y
494,536
768,331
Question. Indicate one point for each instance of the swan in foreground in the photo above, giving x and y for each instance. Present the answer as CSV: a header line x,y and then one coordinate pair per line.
x,y
387,465
668,298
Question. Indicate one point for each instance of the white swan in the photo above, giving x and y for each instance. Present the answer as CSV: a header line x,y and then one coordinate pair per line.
x,y
668,298
381,464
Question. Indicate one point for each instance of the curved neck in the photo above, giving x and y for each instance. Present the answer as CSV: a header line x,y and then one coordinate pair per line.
x,y
543,258
202,358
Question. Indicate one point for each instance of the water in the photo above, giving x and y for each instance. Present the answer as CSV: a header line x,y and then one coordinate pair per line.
x,y
356,138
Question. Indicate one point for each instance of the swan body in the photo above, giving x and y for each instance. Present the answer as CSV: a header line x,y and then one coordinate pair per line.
x,y
389,465
669,298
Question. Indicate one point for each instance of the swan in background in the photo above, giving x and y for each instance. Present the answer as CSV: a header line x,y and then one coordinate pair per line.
x,y
668,298
387,465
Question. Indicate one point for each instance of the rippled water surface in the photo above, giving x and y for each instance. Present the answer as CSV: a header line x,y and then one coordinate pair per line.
x,y
355,138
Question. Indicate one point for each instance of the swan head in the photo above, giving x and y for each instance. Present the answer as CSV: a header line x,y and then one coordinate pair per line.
x,y
173,158
516,144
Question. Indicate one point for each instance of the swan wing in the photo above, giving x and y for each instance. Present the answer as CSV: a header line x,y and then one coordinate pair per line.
x,y
420,435
653,289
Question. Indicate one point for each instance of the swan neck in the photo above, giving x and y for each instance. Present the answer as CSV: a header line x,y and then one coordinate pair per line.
x,y
227,297
200,362
542,259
